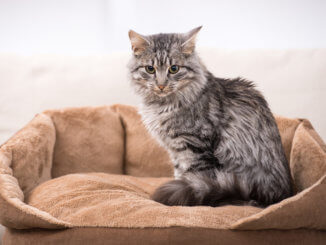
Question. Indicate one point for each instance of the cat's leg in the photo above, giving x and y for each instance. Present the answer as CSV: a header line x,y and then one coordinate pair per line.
x,y
177,170
177,173
191,162
181,161
266,189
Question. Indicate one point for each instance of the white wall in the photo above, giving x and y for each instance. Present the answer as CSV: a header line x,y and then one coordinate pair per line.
x,y
100,26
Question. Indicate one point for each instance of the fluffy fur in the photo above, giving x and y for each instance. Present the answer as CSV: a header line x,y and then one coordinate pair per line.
x,y
220,133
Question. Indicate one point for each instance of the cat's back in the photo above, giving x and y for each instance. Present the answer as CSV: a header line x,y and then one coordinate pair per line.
x,y
245,110
240,92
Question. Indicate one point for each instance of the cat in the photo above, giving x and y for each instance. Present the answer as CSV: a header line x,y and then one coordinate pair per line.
x,y
220,133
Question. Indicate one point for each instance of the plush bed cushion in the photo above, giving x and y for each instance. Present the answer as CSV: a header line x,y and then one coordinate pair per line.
x,y
49,177
106,200
98,199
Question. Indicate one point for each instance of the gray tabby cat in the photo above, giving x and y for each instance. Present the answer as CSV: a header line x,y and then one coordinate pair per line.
x,y
220,133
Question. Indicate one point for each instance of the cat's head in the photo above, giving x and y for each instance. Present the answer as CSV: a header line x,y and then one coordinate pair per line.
x,y
165,67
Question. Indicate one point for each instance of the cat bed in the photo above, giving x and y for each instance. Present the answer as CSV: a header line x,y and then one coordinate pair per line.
x,y
86,174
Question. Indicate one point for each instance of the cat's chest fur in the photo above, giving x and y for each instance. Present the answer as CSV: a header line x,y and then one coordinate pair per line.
x,y
173,128
160,122
180,132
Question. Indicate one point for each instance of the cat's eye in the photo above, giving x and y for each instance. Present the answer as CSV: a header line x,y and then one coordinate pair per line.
x,y
174,69
150,69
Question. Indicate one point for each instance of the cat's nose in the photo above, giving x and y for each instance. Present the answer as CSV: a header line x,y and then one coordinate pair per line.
x,y
161,87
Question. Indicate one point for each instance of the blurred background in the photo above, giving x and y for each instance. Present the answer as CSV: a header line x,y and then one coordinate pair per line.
x,y
74,52
84,27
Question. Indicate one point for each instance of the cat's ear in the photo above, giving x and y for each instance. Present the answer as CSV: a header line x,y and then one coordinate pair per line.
x,y
138,42
188,46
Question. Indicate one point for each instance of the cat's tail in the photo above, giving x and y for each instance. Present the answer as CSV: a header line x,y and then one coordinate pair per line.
x,y
195,189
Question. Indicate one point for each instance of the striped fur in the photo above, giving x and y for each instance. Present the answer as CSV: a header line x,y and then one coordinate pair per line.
x,y
220,133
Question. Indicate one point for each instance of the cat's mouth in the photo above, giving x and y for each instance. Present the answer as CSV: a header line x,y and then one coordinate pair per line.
x,y
162,93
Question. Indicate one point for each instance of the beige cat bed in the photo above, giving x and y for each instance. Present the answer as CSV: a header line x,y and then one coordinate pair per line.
x,y
84,175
